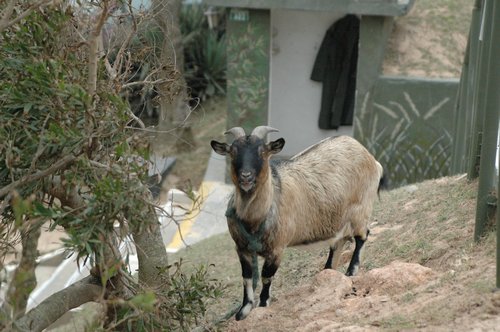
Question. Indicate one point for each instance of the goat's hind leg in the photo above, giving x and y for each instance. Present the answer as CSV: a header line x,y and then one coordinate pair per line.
x,y
333,259
269,268
354,264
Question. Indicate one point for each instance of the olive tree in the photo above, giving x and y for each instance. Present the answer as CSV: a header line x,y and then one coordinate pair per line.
x,y
73,154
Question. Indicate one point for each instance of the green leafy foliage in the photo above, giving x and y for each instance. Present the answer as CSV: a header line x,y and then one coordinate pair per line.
x,y
47,115
145,301
177,307
204,61
38,110
204,53
72,159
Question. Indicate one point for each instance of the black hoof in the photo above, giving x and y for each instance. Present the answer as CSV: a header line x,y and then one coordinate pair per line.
x,y
351,271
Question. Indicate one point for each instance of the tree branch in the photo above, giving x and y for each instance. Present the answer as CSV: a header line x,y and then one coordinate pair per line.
x,y
119,56
136,119
146,82
65,161
67,196
5,23
94,50
24,279
6,15
41,147
83,291
151,254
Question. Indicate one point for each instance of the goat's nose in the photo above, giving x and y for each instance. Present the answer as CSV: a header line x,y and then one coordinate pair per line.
x,y
246,175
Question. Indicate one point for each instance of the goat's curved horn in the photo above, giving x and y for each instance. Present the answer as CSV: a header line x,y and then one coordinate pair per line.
x,y
237,132
262,131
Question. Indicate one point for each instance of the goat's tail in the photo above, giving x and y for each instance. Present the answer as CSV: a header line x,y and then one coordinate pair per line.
x,y
382,183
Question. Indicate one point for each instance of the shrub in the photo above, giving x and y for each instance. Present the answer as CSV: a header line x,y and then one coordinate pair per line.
x,y
69,157
204,53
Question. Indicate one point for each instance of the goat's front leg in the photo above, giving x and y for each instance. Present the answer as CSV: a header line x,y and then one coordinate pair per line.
x,y
269,268
248,291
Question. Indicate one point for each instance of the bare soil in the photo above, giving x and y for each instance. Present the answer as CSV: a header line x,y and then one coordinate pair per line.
x,y
431,40
421,270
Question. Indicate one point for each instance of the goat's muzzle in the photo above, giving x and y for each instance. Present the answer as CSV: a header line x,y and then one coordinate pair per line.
x,y
246,181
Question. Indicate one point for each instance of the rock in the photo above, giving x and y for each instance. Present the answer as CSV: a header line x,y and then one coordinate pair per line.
x,y
393,278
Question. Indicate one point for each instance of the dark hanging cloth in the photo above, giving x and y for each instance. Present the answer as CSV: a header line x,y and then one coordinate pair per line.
x,y
335,66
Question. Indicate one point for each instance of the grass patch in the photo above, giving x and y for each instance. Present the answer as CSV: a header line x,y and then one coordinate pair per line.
x,y
431,217
397,322
408,297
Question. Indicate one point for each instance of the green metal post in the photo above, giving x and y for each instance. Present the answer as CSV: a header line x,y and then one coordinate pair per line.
x,y
459,139
498,229
479,88
485,198
465,116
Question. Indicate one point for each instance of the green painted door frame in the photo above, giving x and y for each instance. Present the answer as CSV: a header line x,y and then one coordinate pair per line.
x,y
248,46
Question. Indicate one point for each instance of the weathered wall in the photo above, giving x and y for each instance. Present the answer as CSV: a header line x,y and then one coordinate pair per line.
x,y
407,123
295,99
408,126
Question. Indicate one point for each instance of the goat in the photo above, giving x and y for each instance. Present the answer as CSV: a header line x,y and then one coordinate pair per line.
x,y
324,193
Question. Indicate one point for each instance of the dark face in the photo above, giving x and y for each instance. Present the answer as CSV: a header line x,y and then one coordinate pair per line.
x,y
249,159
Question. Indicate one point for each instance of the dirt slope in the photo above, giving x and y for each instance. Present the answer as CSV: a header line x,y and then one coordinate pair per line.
x,y
421,272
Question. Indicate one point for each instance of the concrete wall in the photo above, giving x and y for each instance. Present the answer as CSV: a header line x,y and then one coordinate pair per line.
x,y
294,100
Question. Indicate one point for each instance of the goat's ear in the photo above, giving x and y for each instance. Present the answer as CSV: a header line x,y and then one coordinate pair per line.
x,y
276,146
220,148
